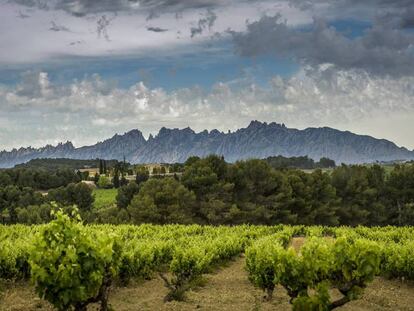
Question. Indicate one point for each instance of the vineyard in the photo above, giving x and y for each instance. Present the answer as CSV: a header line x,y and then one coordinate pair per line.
x,y
72,265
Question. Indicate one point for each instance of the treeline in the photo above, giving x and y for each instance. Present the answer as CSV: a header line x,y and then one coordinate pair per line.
x,y
38,179
26,193
211,191
27,206
299,162
62,163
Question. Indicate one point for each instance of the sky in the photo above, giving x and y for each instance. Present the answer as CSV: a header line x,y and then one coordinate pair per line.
x,y
83,70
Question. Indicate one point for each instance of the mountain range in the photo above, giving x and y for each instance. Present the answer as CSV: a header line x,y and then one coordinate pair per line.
x,y
258,140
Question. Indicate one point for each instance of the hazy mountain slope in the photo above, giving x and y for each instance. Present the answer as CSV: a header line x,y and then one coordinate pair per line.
x,y
258,140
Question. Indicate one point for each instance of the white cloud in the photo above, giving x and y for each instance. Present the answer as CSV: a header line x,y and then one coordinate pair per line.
x,y
90,110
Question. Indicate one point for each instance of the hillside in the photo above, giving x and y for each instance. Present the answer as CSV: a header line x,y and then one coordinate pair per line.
x,y
258,140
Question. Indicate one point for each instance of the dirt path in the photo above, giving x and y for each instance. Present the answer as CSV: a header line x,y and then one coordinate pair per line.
x,y
297,243
384,294
227,289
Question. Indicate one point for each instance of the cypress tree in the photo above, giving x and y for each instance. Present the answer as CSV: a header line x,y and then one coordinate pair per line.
x,y
100,167
116,178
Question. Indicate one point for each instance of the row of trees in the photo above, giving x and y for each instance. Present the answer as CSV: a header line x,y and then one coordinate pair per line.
x,y
39,179
25,205
299,162
211,191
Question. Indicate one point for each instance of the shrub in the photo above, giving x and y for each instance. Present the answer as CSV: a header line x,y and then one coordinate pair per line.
x,y
71,266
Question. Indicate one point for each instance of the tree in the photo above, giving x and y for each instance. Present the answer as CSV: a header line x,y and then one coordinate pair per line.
x,y
261,194
104,182
101,169
400,193
162,201
359,187
123,181
5,179
326,163
34,214
322,200
82,197
13,197
87,262
104,167
191,160
142,175
199,177
116,181
79,194
126,194
280,162
176,168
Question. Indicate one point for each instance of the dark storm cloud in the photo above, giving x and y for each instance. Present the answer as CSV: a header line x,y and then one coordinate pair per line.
x,y
398,13
102,27
84,7
379,4
204,23
56,27
386,47
156,29
380,50
400,19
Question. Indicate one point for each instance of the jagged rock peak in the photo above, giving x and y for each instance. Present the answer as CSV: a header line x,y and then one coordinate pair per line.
x,y
256,124
167,131
257,140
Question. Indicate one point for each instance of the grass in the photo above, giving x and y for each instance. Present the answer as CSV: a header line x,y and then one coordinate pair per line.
x,y
104,198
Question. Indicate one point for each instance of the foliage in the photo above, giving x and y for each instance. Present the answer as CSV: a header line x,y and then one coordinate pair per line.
x,y
63,163
13,197
303,162
342,257
38,178
79,194
34,214
250,191
347,264
142,175
104,182
72,268
126,194
162,201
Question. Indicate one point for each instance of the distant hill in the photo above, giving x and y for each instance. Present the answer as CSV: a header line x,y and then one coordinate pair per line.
x,y
63,163
258,140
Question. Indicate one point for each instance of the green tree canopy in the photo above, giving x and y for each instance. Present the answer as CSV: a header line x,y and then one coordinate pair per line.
x,y
162,201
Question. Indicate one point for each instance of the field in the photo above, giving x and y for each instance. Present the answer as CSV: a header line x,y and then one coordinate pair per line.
x,y
104,197
234,267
